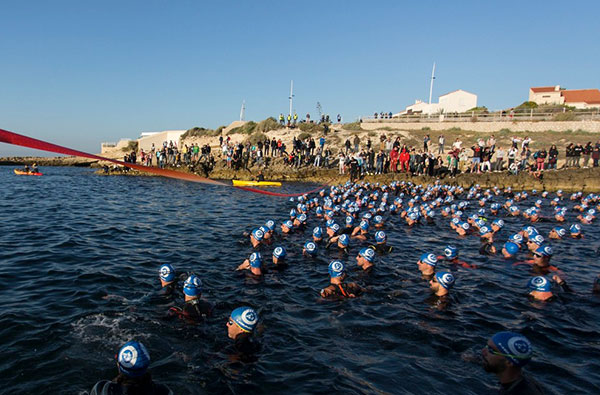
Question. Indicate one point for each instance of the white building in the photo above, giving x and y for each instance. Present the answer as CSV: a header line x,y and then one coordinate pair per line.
x,y
456,101
148,138
578,98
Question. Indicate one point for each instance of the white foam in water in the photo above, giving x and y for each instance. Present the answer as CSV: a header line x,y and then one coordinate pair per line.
x,y
101,328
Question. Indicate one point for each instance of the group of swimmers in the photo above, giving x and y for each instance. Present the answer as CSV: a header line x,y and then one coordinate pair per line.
x,y
364,209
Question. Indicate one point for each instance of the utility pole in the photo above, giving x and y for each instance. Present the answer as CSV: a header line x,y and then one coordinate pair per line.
x,y
291,97
243,110
431,84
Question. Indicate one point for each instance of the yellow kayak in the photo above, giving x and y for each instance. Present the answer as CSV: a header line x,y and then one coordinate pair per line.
x,y
241,183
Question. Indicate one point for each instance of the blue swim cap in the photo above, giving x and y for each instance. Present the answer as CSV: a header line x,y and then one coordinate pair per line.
x,y
544,250
495,206
483,230
380,236
364,225
310,247
288,224
344,240
515,347
293,213
192,286
575,229
335,228
531,231
455,221
540,284
317,232
465,226
336,269
481,212
429,259
511,247
264,229
499,223
560,231
279,252
537,239
270,224
255,260
319,210
166,272
258,234
378,219
367,253
133,359
245,317
451,252
445,279
349,220
301,217
516,238
412,216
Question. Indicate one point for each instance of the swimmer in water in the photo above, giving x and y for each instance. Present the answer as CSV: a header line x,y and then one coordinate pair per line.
x,y
133,361
381,246
287,226
426,264
310,249
558,232
361,231
575,231
510,249
365,259
486,234
168,279
256,237
253,263
505,354
317,234
279,255
451,256
337,287
240,327
441,283
195,308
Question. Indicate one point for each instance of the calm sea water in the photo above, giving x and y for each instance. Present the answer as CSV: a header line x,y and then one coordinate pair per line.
x,y
79,255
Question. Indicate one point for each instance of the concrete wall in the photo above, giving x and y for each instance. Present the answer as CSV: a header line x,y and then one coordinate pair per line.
x,y
589,126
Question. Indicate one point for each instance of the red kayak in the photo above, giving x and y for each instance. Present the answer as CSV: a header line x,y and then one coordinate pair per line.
x,y
27,173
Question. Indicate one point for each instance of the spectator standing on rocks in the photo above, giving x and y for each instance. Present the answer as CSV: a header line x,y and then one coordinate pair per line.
x,y
441,141
577,151
596,154
500,153
426,141
552,157
356,143
347,144
587,151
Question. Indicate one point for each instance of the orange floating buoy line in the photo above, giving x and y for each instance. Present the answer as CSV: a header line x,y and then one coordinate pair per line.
x,y
24,141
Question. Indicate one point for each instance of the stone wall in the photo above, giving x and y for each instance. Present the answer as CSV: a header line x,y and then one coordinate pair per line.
x,y
489,127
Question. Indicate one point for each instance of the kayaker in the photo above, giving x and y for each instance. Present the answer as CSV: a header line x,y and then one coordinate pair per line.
x,y
260,176
34,168
134,378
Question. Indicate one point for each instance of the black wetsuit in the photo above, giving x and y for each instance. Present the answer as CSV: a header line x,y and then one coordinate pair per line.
x,y
382,249
522,386
245,345
126,386
197,309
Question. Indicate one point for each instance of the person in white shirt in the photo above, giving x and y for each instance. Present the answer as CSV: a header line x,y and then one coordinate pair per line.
x,y
499,159
441,141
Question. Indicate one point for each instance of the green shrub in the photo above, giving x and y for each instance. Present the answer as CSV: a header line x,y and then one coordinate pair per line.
x,y
131,146
267,125
479,110
256,137
386,128
372,134
312,128
352,126
564,116
426,129
197,132
303,135
247,128
455,129
219,130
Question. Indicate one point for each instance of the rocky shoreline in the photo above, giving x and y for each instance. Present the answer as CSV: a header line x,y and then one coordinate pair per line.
x,y
586,180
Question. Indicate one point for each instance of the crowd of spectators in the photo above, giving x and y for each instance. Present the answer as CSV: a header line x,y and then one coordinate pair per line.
x,y
358,157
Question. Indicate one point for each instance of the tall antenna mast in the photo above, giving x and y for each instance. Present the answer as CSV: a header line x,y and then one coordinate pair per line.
x,y
291,97
431,85
243,110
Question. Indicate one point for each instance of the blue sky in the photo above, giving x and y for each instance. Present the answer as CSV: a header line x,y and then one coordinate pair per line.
x,y
78,73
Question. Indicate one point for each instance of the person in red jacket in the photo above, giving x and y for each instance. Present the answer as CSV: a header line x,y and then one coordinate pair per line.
x,y
394,160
